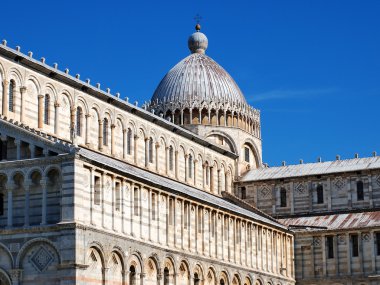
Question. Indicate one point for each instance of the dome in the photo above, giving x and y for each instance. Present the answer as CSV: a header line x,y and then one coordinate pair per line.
x,y
197,78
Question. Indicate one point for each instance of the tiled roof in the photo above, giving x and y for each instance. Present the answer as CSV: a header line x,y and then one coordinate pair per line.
x,y
336,221
319,168
171,185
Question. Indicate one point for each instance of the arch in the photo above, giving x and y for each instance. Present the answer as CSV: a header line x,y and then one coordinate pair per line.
x,y
229,140
8,252
236,280
33,171
95,260
69,96
259,281
4,277
247,280
116,266
135,260
152,270
255,151
198,270
83,103
210,278
51,90
223,276
184,273
31,242
15,74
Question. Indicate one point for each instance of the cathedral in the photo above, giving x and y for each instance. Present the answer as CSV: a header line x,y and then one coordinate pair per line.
x,y
95,189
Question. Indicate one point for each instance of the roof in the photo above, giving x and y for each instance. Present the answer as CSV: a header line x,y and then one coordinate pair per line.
x,y
174,186
198,78
54,73
336,221
307,169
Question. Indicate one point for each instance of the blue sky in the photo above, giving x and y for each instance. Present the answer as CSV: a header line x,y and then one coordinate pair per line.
x,y
311,66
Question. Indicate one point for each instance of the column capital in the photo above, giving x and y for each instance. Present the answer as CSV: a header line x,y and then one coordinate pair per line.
x,y
23,89
146,138
56,104
16,274
5,82
157,144
113,126
40,96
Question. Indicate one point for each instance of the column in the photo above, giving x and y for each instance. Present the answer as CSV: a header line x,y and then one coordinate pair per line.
x,y
100,135
157,145
27,186
186,168
146,139
158,217
32,150
135,138
87,118
373,253
182,117
370,191
18,149
44,201
22,103
124,144
40,111
16,276
56,118
113,139
92,189
225,118
348,243
5,97
10,187
195,172
191,116
219,179
122,185
167,160
176,164
102,197
209,116
200,117
204,175
113,199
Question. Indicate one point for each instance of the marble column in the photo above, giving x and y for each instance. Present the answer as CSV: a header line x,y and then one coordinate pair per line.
x,y
40,111
167,159
28,184
146,151
11,187
43,185
5,97
176,164
100,135
18,149
124,144
157,145
56,118
135,138
22,104
113,139
87,118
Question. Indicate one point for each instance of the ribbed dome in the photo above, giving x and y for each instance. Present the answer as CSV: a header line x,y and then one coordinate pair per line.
x,y
198,78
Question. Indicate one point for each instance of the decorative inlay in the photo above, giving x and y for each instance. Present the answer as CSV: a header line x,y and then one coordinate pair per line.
x,y
301,188
14,247
365,237
339,183
265,191
378,180
317,241
41,259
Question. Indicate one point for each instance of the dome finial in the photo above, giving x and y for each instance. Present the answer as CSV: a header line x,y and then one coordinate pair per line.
x,y
198,41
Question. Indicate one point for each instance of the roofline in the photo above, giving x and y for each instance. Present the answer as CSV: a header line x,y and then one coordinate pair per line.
x,y
242,180
276,224
76,83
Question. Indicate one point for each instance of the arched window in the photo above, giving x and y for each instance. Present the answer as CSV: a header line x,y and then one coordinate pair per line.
x,y
79,121
166,276
12,87
171,158
47,109
196,279
222,282
207,175
320,194
132,275
190,166
97,190
246,154
150,150
360,190
105,131
283,197
129,141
